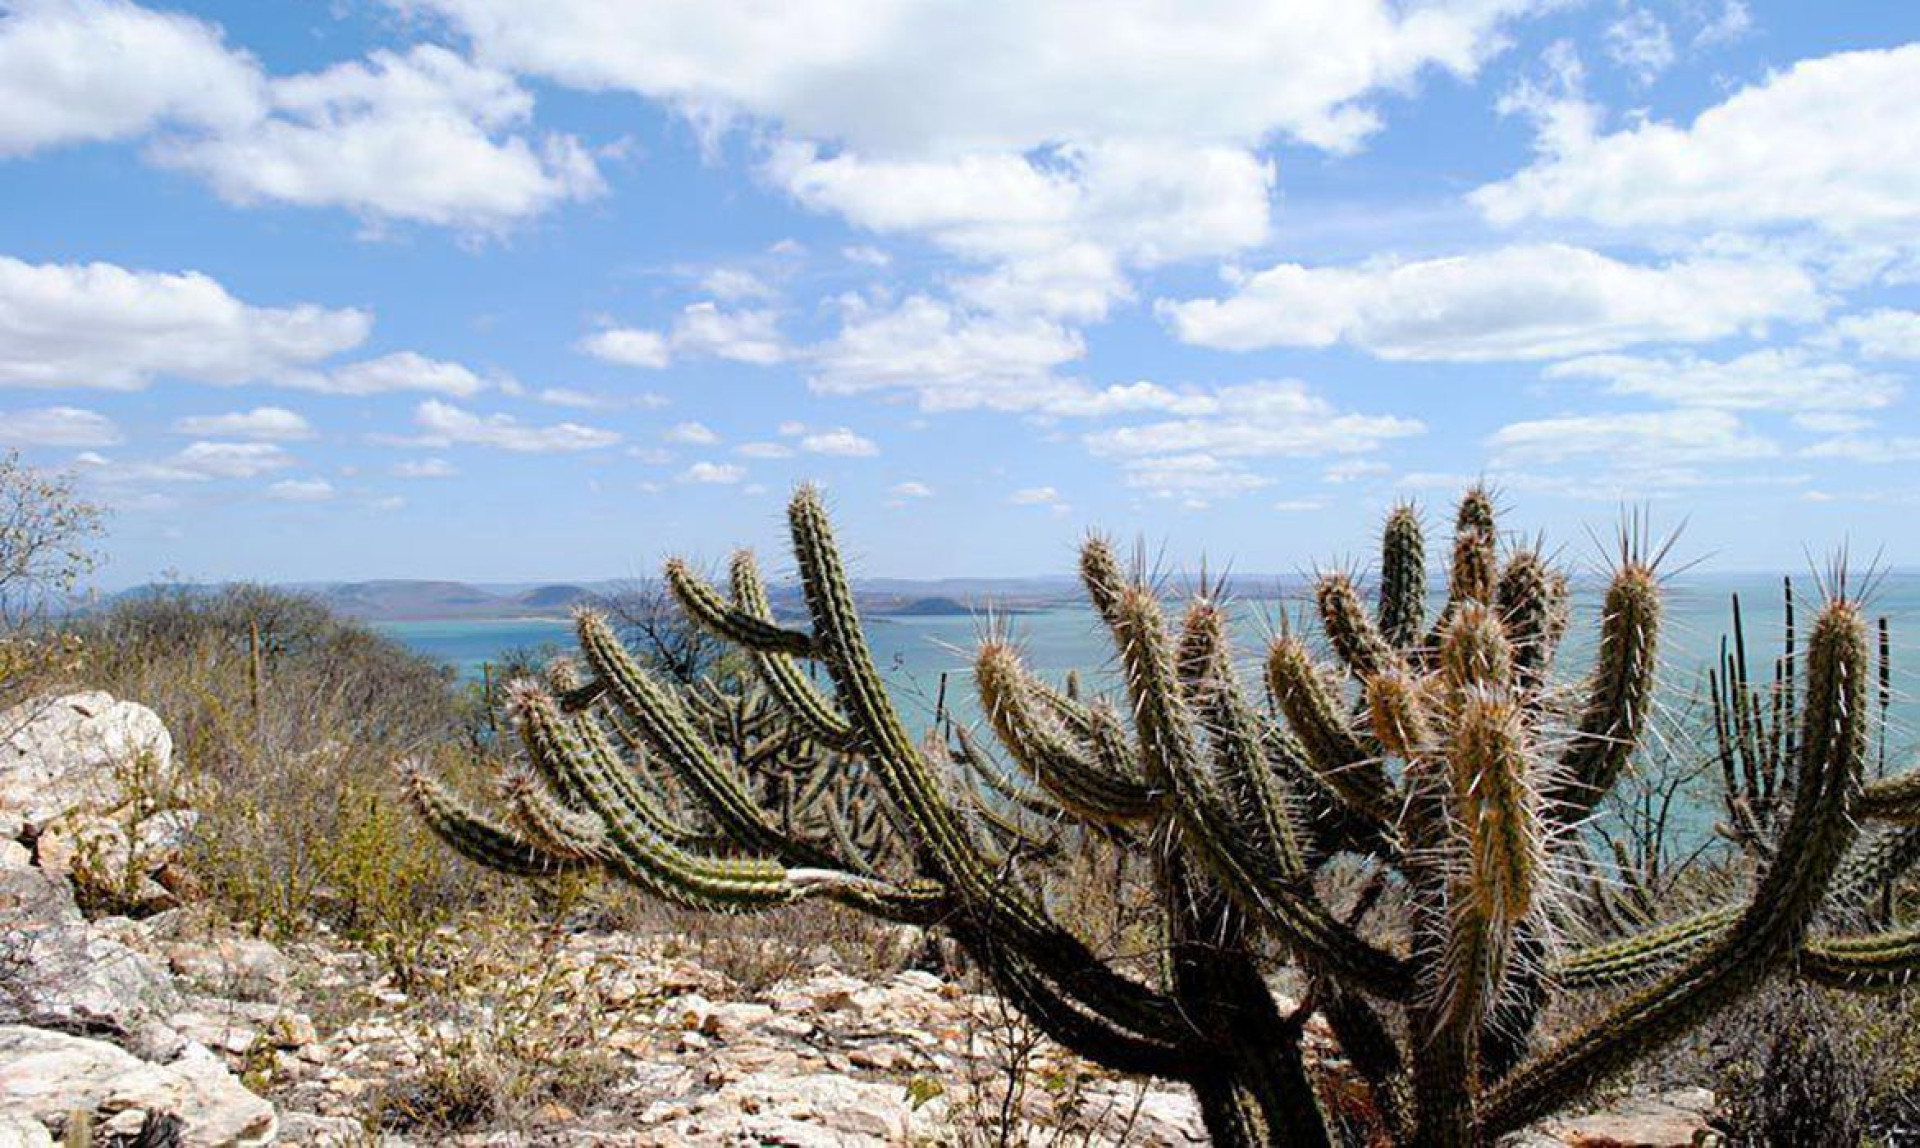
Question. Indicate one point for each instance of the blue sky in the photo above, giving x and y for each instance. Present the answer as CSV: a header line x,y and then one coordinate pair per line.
x,y
488,290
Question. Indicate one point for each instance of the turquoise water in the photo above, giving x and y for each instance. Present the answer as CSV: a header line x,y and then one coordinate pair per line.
x,y
914,652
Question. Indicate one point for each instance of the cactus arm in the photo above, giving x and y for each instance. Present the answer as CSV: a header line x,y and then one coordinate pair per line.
x,y
547,823
782,675
741,627
1262,884
663,723
1403,577
1619,696
1335,755
1355,639
1875,963
1529,599
1833,747
1896,800
1006,916
980,762
1044,749
659,867
1637,958
474,836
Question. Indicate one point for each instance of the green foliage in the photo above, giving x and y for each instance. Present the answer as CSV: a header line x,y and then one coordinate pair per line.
x,y
1447,762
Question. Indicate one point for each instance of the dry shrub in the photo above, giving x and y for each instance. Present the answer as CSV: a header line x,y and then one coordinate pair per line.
x,y
286,720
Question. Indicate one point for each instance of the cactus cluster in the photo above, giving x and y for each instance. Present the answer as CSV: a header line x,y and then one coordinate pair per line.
x,y
1444,757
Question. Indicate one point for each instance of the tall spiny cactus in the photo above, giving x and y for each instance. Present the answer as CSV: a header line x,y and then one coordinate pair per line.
x,y
1444,753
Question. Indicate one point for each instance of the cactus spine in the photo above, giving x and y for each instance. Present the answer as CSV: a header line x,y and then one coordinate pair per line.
x,y
1444,752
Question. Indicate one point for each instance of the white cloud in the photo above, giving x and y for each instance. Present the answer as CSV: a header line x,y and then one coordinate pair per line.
x,y
269,423
1882,334
425,136
763,450
1828,142
1520,302
910,489
1771,379
992,76
446,424
1640,43
1254,420
424,468
57,426
840,441
1659,438
714,473
866,255
742,336
567,397
1867,449
701,329
400,371
949,359
698,434
629,346
79,70
99,325
301,490
228,459
732,284
1035,496
1196,477
1733,22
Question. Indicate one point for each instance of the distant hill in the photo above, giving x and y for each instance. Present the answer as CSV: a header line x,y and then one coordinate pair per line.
x,y
424,600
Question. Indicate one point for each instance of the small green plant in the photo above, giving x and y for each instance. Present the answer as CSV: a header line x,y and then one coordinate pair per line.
x,y
1443,753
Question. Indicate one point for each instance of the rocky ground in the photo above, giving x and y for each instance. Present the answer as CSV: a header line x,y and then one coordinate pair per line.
x,y
174,1028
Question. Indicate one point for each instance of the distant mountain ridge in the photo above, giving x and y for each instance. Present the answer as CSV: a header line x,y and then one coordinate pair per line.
x,y
425,600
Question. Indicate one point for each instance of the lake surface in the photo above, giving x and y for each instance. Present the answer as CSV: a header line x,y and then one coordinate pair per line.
x,y
913,652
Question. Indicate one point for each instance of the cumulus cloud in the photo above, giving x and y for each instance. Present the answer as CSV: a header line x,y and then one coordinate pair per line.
x,y
301,490
751,336
1882,334
424,468
701,329
951,359
444,424
1520,302
1208,452
763,450
57,426
989,76
1771,379
81,70
910,489
400,371
629,347
698,434
714,473
424,135
1662,438
104,326
840,441
266,423
1034,496
1828,143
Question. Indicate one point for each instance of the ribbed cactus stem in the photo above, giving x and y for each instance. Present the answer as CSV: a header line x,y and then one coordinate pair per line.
x,y
1101,574
1403,577
705,606
1046,751
1619,695
782,674
1314,713
1352,634
1833,748
1474,572
1497,809
474,836
1529,601
1474,653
